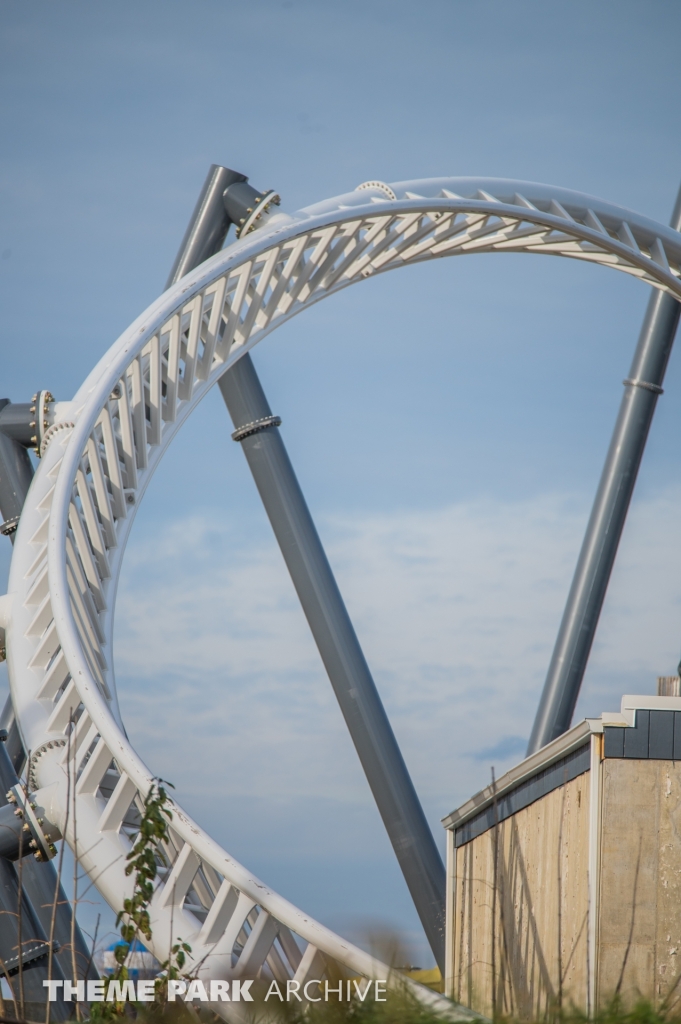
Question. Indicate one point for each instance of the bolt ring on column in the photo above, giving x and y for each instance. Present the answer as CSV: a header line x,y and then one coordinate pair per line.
x,y
643,384
255,427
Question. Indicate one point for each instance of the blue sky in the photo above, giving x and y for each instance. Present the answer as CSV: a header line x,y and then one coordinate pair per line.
x,y
448,424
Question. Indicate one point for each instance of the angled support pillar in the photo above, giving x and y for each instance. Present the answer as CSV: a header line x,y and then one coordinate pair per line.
x,y
24,950
608,515
16,473
344,661
256,430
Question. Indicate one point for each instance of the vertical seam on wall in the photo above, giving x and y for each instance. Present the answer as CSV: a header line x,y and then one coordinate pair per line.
x,y
594,866
661,768
450,914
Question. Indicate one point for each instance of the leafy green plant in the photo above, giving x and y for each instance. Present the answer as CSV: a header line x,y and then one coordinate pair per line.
x,y
133,919
171,969
142,861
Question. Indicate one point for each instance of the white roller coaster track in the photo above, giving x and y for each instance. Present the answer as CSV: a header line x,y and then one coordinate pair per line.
x,y
99,456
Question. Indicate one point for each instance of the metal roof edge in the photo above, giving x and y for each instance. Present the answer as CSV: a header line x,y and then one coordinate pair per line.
x,y
532,765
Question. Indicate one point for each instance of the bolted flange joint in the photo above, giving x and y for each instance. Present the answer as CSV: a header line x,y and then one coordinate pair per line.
x,y
9,526
29,832
40,422
246,206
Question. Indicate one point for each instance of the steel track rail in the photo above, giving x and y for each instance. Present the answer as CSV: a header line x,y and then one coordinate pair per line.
x,y
99,457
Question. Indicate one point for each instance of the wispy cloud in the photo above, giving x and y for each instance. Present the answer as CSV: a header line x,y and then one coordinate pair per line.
x,y
457,610
224,694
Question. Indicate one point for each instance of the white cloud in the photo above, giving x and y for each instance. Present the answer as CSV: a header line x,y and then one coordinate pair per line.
x,y
457,610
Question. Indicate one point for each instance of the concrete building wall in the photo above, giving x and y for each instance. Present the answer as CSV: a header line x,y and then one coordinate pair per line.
x,y
640,884
520,908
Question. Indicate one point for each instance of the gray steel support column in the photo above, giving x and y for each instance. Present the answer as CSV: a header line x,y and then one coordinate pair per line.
x,y
37,900
608,515
322,603
39,882
209,224
34,945
16,473
13,743
341,653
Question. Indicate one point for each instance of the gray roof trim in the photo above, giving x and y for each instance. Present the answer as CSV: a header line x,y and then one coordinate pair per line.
x,y
554,751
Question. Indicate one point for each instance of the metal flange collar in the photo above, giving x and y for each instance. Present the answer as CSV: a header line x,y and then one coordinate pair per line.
x,y
41,834
40,423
